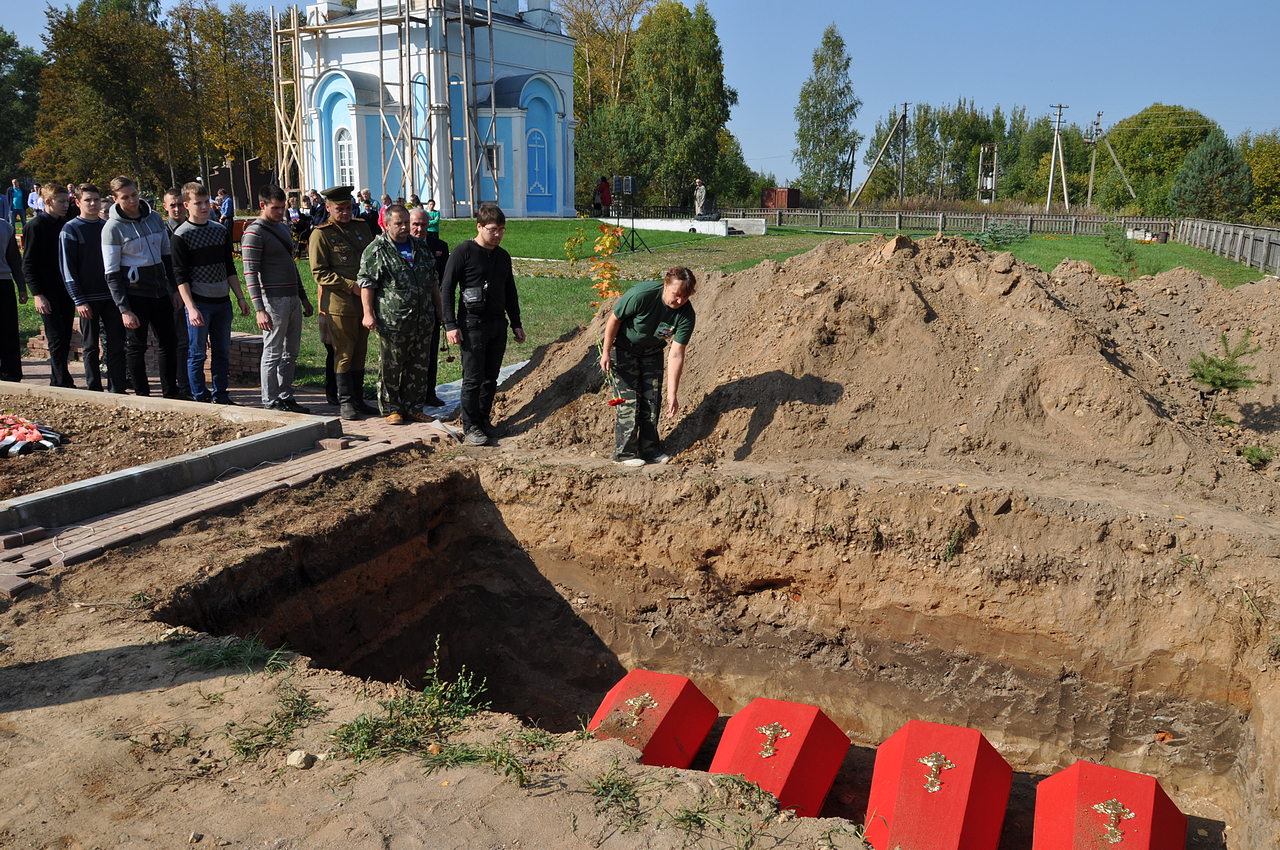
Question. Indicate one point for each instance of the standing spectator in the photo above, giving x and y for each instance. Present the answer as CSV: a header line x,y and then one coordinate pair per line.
x,y
177,215
335,251
480,271
10,274
641,324
439,249
433,219
699,197
223,209
299,225
206,275
368,214
34,201
17,202
279,299
606,195
80,253
73,209
44,276
139,268
319,212
400,293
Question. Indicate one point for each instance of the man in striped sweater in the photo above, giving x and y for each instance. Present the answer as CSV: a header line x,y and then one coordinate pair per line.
x,y
206,275
80,253
279,298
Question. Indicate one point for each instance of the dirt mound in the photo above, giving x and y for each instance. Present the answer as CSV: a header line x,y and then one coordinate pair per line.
x,y
934,353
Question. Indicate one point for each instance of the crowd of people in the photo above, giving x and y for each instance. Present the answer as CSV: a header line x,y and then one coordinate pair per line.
x,y
115,265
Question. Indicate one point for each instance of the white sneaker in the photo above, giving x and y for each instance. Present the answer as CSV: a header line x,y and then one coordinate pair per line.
x,y
632,461
663,458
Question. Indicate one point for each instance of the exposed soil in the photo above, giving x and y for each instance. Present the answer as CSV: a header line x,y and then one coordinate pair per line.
x,y
98,439
912,481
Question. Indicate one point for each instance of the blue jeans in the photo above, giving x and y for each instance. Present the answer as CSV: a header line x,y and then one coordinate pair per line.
x,y
216,333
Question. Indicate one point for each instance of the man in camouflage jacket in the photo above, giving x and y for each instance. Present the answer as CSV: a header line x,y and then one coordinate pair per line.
x,y
400,292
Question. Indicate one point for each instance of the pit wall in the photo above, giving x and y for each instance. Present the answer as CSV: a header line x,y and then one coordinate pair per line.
x,y
1059,633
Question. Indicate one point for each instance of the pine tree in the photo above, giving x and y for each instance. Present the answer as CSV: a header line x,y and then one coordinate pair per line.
x,y
825,139
1224,373
1214,181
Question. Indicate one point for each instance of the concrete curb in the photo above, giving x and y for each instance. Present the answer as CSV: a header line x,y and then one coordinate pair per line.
x,y
71,503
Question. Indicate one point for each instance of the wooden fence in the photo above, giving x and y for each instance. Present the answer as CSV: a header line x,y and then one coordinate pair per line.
x,y
883,220
1257,247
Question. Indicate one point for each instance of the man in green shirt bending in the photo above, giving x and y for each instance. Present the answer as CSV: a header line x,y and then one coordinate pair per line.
x,y
643,321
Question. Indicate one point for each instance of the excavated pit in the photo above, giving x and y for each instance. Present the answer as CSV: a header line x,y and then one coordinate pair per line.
x,y
913,480
819,591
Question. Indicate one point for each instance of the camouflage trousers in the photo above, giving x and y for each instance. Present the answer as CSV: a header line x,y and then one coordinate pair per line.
x,y
403,373
639,378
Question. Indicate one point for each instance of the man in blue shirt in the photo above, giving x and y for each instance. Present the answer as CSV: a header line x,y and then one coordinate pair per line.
x,y
17,203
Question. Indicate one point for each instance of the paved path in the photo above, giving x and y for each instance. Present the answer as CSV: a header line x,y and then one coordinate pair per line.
x,y
371,437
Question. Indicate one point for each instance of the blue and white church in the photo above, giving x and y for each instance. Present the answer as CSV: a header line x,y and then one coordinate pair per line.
x,y
463,101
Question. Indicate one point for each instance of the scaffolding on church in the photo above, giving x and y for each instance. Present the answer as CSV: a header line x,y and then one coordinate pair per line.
x,y
405,136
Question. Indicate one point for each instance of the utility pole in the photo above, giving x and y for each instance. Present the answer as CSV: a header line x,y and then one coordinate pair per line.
x,y
888,140
1057,152
1093,159
902,160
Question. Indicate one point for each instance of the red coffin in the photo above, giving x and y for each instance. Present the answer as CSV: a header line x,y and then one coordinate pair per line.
x,y
937,787
791,750
665,717
1089,806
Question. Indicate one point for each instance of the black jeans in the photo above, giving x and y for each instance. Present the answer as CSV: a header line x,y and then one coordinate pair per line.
x,y
483,346
106,326
10,348
58,326
156,313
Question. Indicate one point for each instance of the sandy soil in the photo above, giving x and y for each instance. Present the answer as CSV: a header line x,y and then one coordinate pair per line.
x,y
887,451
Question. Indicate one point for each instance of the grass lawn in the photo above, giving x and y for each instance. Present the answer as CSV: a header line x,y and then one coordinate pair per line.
x,y
557,298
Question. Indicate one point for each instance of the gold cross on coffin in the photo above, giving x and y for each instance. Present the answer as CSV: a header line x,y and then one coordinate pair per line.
x,y
936,763
1115,812
638,704
771,733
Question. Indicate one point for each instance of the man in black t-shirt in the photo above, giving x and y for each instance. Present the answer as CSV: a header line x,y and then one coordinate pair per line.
x,y
480,272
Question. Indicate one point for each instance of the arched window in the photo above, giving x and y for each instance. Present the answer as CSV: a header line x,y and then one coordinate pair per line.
x,y
539,182
345,150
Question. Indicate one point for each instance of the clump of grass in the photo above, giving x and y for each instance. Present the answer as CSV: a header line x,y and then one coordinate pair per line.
x,y
294,709
245,654
1258,456
499,755
693,822
411,721
616,791
999,234
953,545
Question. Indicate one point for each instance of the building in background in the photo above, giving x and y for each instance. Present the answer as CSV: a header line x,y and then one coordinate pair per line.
x,y
464,101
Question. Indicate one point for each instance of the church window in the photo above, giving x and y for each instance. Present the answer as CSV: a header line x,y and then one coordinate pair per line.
x,y
345,148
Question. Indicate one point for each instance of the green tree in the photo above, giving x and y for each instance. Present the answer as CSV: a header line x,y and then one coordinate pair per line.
x,y
1214,182
826,141
1151,146
1262,152
604,33
1225,373
104,102
732,179
20,69
681,101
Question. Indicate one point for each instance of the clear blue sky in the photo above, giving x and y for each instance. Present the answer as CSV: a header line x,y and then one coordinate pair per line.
x,y
1219,58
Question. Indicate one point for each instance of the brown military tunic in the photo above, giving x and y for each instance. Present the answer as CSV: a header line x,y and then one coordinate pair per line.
x,y
334,251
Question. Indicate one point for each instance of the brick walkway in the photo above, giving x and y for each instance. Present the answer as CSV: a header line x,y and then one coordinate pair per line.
x,y
362,440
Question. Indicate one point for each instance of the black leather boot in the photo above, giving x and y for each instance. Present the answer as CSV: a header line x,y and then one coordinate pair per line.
x,y
330,382
346,398
358,389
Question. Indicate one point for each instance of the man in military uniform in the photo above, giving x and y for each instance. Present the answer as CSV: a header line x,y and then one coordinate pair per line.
x,y
335,250
400,292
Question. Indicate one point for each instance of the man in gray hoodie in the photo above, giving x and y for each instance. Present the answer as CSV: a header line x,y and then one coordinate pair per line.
x,y
139,269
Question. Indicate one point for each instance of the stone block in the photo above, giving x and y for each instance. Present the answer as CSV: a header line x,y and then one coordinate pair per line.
x,y
664,716
937,787
789,749
1089,806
